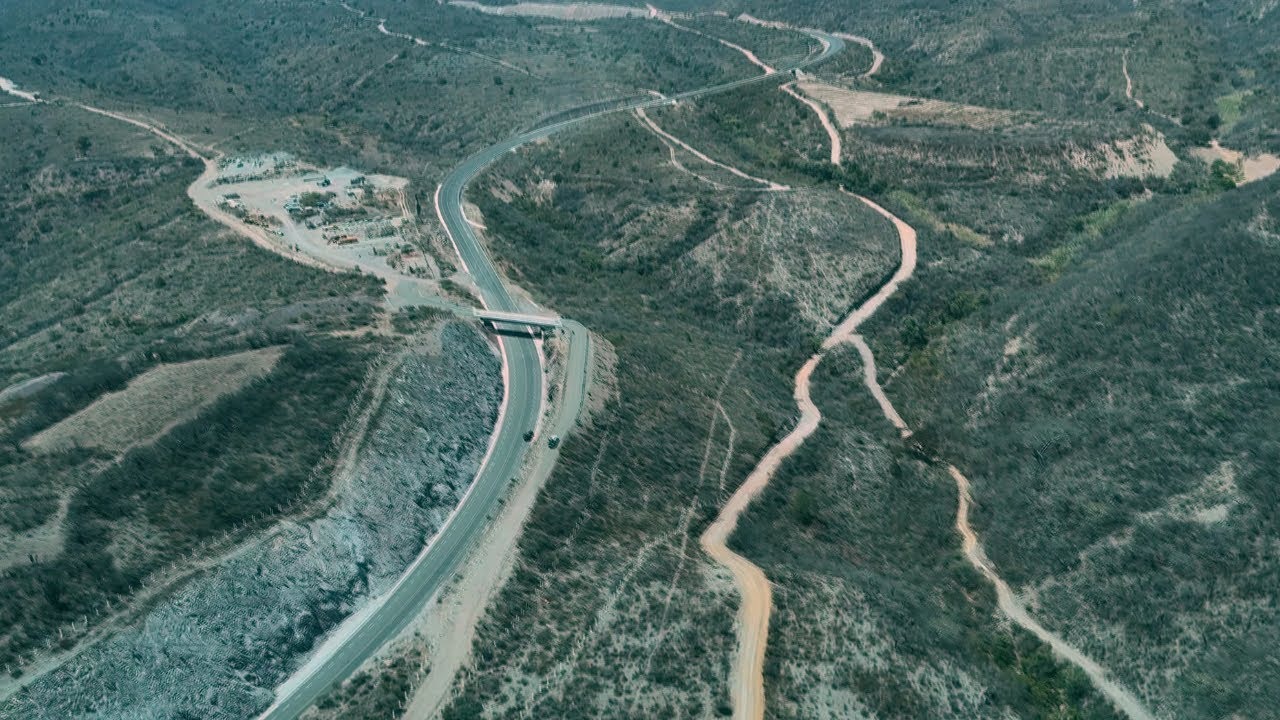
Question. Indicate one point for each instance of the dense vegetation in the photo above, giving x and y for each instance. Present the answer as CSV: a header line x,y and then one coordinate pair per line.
x,y
1128,418
1208,65
323,82
1005,218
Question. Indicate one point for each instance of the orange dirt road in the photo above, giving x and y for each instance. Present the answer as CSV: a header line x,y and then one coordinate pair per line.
x,y
747,684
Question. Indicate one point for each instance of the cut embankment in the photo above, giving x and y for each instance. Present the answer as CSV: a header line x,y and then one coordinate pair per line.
x,y
228,635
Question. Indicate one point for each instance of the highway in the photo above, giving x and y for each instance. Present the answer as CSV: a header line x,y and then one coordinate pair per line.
x,y
522,401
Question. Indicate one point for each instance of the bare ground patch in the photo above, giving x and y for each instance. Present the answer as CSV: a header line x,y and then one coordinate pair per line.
x,y
559,11
1143,155
854,107
155,401
1253,167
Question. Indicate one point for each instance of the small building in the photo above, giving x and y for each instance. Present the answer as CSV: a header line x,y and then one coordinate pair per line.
x,y
345,240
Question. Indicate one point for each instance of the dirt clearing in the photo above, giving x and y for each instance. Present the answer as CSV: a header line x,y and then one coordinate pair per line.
x,y
854,107
1255,167
569,11
155,401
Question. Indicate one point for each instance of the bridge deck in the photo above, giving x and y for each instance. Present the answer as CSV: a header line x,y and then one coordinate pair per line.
x,y
541,321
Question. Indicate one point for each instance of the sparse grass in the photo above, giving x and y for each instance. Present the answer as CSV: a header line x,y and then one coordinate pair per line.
x,y
154,401
1231,109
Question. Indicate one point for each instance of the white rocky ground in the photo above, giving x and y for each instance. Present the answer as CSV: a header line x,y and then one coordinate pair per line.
x,y
218,646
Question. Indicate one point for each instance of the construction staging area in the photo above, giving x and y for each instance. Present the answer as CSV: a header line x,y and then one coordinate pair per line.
x,y
340,217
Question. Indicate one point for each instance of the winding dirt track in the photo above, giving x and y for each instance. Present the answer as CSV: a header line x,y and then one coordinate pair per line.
x,y
202,194
1128,81
1012,607
665,17
877,57
747,685
657,130
832,133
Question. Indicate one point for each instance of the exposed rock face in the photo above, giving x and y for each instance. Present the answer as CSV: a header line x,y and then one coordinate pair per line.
x,y
219,646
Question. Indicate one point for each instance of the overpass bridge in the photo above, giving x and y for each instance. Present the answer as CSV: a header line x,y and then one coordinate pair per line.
x,y
541,322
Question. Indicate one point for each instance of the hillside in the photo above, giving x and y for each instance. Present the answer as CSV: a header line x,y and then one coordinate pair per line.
x,y
1034,482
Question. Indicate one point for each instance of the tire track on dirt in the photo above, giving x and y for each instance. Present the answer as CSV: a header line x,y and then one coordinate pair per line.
x,y
823,117
747,685
657,130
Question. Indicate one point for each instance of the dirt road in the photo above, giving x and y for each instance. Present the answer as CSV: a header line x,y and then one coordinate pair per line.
x,y
1128,81
1007,601
1012,607
666,18
8,86
202,194
657,130
832,133
746,688
747,684
877,57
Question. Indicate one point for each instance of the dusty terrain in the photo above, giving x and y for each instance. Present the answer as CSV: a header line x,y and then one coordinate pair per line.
x,y
155,401
1144,155
566,11
853,107
1255,167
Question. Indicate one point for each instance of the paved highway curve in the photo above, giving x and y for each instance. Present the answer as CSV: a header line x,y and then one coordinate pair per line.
x,y
521,405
